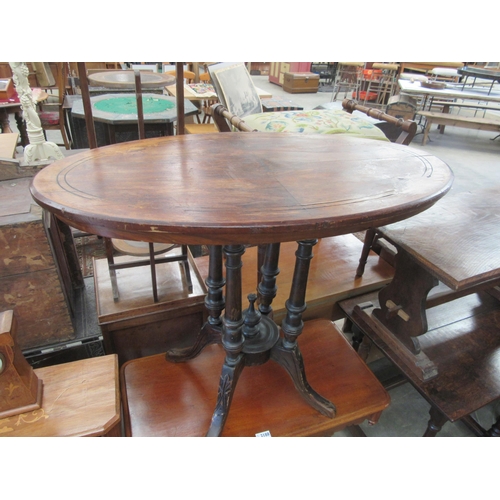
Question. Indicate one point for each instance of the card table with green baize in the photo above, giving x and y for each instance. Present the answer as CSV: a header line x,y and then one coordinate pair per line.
x,y
120,110
231,190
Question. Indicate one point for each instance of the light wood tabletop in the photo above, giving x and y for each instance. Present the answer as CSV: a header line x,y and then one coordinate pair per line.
x,y
80,398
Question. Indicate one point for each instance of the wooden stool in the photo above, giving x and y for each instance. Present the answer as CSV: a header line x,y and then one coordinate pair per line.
x,y
81,398
178,399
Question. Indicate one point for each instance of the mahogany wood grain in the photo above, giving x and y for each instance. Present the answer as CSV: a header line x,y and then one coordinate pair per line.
x,y
246,188
165,399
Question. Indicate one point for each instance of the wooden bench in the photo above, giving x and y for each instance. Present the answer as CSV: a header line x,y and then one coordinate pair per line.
x,y
467,105
440,311
400,131
446,105
462,339
457,121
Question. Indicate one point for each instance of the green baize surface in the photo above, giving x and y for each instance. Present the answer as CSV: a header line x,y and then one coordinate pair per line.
x,y
128,105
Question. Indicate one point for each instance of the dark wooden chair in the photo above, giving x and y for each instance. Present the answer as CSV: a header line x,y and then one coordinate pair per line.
x,y
150,253
52,115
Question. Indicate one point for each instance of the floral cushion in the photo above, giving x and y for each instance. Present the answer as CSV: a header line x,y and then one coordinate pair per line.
x,y
315,122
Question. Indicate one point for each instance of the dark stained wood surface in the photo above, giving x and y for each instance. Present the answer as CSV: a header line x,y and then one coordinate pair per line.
x,y
465,249
177,399
240,188
462,341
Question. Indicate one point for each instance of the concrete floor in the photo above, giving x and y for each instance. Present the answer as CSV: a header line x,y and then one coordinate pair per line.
x,y
474,157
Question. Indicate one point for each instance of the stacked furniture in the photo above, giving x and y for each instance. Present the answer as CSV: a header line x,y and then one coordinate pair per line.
x,y
438,319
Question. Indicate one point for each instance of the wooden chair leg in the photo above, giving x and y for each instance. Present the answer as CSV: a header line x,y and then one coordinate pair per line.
x,y
67,144
152,265
187,272
436,422
112,272
371,237
426,132
494,430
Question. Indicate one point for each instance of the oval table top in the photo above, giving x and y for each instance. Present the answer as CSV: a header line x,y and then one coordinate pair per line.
x,y
126,79
240,188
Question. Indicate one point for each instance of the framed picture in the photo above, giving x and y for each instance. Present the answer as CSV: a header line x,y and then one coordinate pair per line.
x,y
235,88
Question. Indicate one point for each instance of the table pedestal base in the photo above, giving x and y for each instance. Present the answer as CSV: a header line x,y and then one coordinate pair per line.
x,y
209,335
251,337
177,399
289,359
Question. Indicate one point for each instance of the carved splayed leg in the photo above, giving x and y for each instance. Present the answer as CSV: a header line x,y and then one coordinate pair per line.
x,y
231,371
232,340
286,352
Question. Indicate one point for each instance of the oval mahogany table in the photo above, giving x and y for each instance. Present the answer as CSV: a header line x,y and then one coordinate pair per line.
x,y
232,190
